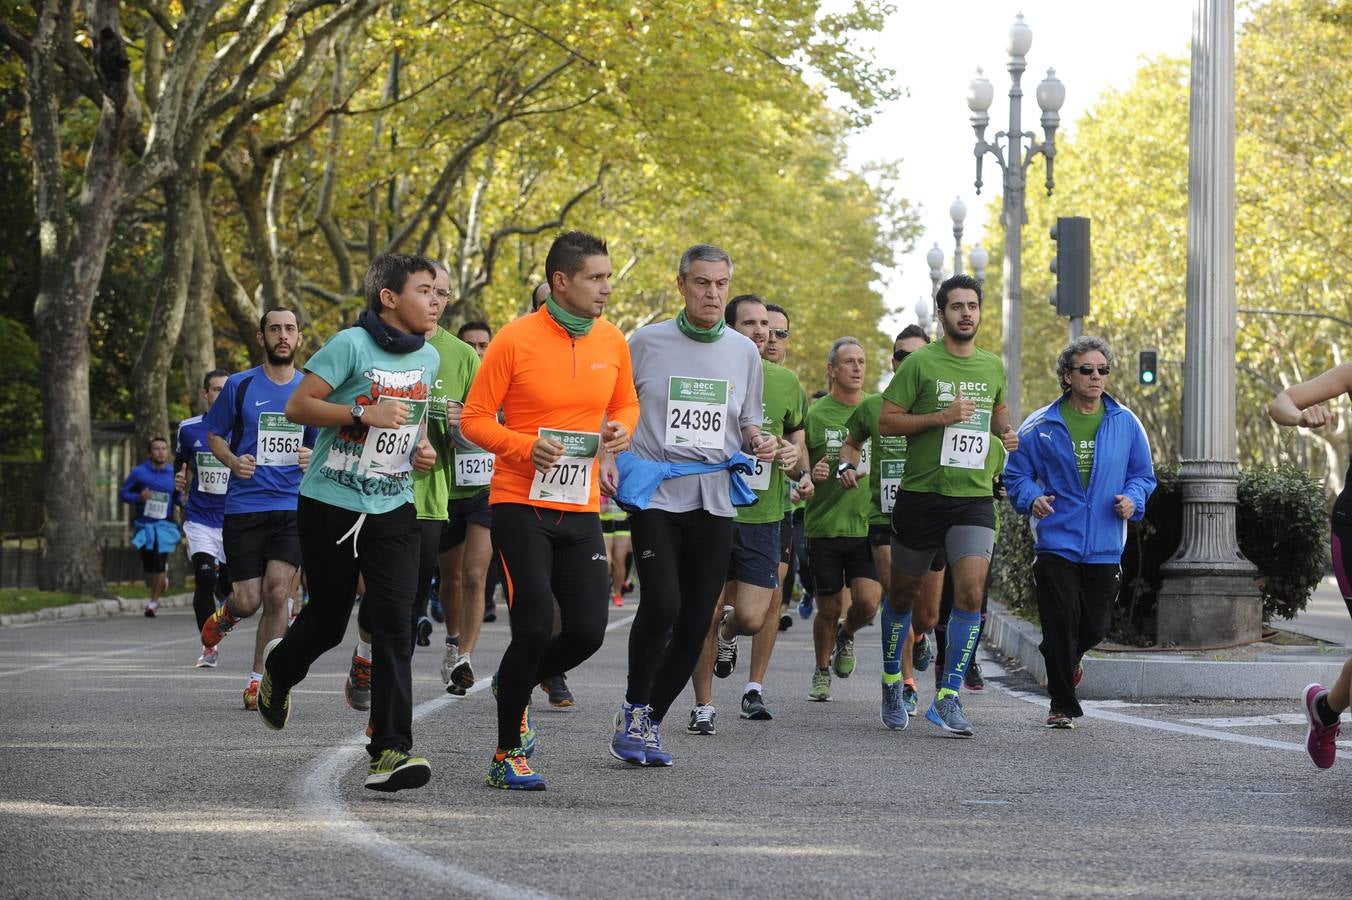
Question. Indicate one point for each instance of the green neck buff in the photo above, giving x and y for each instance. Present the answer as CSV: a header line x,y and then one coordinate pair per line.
x,y
577,326
695,333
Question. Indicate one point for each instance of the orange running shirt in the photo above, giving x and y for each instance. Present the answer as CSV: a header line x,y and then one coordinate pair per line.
x,y
541,377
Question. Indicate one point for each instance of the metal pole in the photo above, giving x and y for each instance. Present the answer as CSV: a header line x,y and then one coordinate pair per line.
x,y
1013,219
957,248
1076,327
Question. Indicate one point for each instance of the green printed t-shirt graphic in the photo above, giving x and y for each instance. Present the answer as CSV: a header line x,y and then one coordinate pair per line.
x,y
929,381
433,490
887,457
782,400
357,467
1082,428
833,511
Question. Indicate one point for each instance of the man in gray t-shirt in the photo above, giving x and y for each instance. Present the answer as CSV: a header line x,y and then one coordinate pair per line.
x,y
699,389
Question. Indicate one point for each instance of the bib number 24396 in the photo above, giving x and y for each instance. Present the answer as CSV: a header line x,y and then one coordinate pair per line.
x,y
697,412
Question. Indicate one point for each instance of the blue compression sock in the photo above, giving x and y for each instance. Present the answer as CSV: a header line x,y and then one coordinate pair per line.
x,y
896,626
963,628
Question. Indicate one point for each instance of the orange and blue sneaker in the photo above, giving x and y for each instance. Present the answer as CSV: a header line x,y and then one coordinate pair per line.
x,y
251,694
510,771
527,734
218,625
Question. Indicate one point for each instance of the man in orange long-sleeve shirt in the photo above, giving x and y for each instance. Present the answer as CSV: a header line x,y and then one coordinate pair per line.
x,y
562,378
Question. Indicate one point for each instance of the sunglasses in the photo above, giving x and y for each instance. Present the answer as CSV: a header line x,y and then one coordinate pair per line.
x,y
899,355
779,334
1090,370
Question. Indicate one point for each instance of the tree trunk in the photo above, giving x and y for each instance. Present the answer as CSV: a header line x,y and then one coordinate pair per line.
x,y
197,343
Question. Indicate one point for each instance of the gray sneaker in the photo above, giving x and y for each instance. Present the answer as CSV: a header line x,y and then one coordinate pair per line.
x,y
702,720
448,664
922,653
893,709
726,658
947,714
754,708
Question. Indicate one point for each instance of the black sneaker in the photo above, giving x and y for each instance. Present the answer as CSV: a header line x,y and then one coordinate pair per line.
x,y
973,678
702,720
557,689
275,710
753,707
785,622
422,632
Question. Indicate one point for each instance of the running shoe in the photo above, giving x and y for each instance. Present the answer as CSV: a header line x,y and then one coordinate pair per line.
x,y
151,606
754,708
1058,719
434,608
462,677
218,626
842,658
422,632
491,612
910,698
821,685
251,694
395,770
527,733
1320,739
210,656
1079,674
617,599
947,714
894,714
972,677
357,688
631,729
725,659
627,587
448,664
276,711
785,622
557,689
922,653
805,607
702,719
653,754
513,773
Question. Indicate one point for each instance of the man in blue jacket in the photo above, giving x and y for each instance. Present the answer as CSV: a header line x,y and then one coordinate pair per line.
x,y
1082,470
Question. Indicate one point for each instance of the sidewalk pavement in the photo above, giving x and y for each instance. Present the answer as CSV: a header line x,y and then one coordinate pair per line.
x,y
110,607
1266,671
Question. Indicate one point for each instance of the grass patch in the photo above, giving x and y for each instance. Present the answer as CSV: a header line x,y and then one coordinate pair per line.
x,y
22,600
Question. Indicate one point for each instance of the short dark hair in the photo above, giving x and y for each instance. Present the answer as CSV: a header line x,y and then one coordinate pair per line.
x,y
912,331
263,319
535,290
473,326
389,271
953,283
156,439
214,373
775,307
569,250
730,311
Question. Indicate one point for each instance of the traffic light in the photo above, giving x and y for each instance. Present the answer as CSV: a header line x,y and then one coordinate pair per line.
x,y
1147,367
1071,266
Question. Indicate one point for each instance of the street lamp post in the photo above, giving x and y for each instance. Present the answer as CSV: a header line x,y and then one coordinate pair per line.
x,y
957,212
979,258
924,313
935,258
1014,166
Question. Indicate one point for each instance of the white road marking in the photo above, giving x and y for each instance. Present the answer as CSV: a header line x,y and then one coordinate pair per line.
x,y
319,799
69,661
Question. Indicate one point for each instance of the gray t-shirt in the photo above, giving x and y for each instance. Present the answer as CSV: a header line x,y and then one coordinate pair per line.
x,y
694,400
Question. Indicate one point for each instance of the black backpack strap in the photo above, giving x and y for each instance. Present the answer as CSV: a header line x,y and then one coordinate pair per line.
x,y
237,430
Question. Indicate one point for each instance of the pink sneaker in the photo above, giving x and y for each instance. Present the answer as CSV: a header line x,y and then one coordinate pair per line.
x,y
1320,738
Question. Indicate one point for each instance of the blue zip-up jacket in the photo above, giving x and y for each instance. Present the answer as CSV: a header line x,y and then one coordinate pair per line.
x,y
146,475
1083,526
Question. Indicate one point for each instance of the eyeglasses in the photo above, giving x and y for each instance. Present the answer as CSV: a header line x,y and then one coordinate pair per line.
x,y
779,334
899,355
1090,370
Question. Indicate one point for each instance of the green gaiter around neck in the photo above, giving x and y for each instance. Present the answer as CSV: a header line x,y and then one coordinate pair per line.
x,y
695,333
577,326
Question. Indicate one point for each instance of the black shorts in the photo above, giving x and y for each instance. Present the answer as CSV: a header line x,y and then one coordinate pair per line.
x,y
470,510
153,563
930,529
838,561
786,527
880,535
251,539
755,554
619,527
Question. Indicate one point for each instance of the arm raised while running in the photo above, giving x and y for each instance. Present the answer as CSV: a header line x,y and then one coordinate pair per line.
x,y
897,420
1303,404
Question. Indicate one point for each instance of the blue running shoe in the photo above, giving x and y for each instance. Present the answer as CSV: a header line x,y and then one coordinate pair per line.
x,y
805,607
947,714
894,713
910,699
434,608
653,754
631,731
922,653
513,773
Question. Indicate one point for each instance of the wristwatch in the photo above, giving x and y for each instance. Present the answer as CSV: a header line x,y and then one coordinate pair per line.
x,y
356,411
842,468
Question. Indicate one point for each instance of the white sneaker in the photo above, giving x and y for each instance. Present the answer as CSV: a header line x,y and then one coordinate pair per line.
x,y
208,658
448,664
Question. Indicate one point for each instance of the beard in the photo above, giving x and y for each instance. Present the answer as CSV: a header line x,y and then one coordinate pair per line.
x,y
959,336
278,357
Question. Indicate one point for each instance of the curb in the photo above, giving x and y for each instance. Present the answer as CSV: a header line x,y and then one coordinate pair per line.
x,y
1146,675
116,606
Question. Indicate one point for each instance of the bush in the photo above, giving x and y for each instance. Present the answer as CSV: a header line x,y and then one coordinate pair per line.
x,y
1281,524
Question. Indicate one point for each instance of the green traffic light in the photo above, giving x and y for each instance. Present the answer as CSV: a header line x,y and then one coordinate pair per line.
x,y
1148,377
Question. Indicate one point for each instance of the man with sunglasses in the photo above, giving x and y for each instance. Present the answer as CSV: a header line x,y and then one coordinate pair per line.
x,y
1082,469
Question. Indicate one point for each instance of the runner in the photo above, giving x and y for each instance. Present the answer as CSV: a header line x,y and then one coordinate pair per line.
x,y
947,399
1302,406
562,378
150,489
700,385
367,391
887,457
266,454
205,480
837,522
748,600
615,527
476,334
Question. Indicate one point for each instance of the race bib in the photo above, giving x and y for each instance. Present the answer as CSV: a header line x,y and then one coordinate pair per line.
x,y
890,483
570,480
759,479
697,412
473,468
157,507
865,466
279,440
213,476
389,451
967,443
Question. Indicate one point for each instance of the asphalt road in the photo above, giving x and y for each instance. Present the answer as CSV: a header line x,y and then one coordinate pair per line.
x,y
126,772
